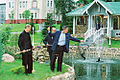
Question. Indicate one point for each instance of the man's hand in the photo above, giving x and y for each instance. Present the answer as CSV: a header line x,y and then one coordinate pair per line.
x,y
23,51
82,41
47,45
48,29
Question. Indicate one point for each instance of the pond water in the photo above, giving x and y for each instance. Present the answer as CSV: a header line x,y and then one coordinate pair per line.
x,y
91,70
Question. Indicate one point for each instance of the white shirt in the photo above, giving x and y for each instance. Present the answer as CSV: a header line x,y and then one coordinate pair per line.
x,y
61,41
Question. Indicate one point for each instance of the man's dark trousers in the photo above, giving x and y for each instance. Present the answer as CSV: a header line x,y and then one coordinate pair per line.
x,y
50,54
27,61
58,53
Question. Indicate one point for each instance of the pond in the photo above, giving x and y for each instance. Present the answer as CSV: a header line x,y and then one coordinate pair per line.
x,y
89,69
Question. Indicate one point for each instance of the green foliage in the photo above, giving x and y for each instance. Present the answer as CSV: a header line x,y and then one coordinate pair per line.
x,y
83,2
18,70
5,35
1,46
49,19
63,7
26,14
13,40
48,23
12,45
57,26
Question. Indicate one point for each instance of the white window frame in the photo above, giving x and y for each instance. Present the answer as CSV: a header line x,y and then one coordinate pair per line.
x,y
34,4
26,4
23,4
20,4
48,3
13,4
51,3
35,15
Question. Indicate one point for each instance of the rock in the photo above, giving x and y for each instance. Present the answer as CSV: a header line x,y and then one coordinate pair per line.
x,y
42,60
46,58
7,58
41,57
41,54
70,75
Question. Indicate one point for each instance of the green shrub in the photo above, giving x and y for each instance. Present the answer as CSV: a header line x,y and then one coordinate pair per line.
x,y
1,46
44,31
12,44
5,35
48,23
18,70
13,40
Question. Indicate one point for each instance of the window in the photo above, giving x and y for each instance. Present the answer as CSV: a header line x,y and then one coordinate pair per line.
x,y
20,16
9,16
9,4
2,16
20,4
13,4
26,4
31,15
48,3
23,4
51,3
23,16
35,15
34,4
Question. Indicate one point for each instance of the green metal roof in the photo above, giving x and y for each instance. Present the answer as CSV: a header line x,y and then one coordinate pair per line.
x,y
113,7
78,11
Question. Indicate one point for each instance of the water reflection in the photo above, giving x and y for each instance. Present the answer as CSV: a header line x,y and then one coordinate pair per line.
x,y
85,70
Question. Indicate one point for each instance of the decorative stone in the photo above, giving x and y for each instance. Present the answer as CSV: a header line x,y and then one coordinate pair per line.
x,y
70,75
7,58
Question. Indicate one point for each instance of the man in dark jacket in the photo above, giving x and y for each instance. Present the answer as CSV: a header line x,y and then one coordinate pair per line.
x,y
61,45
48,41
24,44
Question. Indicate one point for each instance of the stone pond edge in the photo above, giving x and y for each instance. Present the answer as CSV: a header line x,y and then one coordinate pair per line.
x,y
70,75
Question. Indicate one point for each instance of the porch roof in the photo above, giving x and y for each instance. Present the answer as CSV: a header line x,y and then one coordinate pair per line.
x,y
78,11
112,7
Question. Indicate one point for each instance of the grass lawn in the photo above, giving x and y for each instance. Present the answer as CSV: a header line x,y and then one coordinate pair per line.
x,y
114,44
75,43
17,27
38,38
42,71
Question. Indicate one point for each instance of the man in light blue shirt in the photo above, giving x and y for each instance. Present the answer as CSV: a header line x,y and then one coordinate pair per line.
x,y
61,41
61,45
